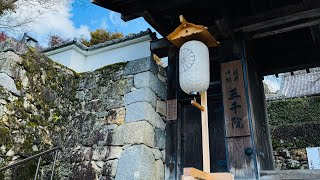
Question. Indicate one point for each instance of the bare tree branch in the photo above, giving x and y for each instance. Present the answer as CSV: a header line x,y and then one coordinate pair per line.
x,y
14,16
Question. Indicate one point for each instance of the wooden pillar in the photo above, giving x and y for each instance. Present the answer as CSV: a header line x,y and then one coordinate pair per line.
x,y
241,158
247,130
205,133
172,129
260,124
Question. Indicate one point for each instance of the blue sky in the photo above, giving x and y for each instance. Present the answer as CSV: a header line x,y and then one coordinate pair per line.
x,y
72,20
97,17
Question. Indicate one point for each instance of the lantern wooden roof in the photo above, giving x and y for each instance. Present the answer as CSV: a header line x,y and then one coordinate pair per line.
x,y
189,31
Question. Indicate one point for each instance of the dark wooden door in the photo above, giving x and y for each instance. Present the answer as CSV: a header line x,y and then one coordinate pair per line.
x,y
191,144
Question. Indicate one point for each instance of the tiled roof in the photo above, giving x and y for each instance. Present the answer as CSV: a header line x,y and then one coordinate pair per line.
x,y
298,85
97,46
306,84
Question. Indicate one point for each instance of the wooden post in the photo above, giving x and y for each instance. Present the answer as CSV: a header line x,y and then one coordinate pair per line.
x,y
205,133
237,121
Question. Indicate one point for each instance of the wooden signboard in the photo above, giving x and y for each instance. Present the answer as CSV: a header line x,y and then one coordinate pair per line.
x,y
172,109
234,99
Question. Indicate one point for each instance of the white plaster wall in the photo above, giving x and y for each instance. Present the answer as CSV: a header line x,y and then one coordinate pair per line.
x,y
62,57
121,54
77,61
83,61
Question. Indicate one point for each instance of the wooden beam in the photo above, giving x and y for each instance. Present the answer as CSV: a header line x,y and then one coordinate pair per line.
x,y
198,174
271,14
183,177
195,174
281,20
281,24
197,105
205,133
298,61
160,47
222,176
284,28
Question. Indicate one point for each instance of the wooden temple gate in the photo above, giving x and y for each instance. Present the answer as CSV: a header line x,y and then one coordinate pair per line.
x,y
258,38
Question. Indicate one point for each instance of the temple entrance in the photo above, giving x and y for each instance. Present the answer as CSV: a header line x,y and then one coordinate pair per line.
x,y
190,127
191,142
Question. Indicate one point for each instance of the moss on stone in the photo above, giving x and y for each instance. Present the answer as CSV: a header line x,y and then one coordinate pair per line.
x,y
18,85
32,124
26,147
5,137
112,67
56,118
2,176
35,118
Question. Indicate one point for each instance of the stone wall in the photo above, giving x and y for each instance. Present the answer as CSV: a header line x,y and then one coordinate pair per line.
x,y
105,121
36,97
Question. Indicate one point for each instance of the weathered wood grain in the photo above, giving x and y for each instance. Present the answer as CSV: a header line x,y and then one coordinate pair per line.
x,y
232,79
241,165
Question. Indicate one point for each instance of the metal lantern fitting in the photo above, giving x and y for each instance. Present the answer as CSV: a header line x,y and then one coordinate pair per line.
x,y
194,66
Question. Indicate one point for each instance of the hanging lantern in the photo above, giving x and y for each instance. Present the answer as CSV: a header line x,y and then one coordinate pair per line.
x,y
194,67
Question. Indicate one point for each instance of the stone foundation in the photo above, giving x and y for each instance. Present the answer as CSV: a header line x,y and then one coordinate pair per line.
x,y
105,121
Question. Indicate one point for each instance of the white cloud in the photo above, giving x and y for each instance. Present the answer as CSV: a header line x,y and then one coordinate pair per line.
x,y
115,19
104,23
53,19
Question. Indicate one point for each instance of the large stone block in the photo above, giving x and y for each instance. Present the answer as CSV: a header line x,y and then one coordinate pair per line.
x,y
141,95
117,137
8,83
159,174
136,163
160,139
10,56
134,133
143,111
141,65
139,133
12,45
147,79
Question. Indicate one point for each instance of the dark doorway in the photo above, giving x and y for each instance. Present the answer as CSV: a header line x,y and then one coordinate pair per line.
x,y
191,143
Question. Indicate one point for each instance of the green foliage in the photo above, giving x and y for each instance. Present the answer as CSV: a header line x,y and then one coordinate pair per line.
x,y
100,36
298,135
294,110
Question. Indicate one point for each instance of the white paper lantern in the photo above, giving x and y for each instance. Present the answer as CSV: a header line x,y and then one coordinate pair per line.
x,y
194,67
